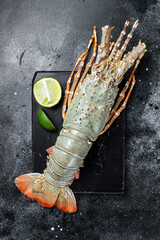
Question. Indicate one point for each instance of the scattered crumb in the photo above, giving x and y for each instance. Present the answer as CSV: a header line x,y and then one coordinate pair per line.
x,y
139,80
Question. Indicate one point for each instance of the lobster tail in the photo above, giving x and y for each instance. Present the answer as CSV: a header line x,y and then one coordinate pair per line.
x,y
35,187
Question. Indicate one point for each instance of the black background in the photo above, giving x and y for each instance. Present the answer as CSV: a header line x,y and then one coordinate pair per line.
x,y
49,36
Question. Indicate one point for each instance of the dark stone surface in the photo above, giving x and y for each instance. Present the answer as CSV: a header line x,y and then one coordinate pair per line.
x,y
50,35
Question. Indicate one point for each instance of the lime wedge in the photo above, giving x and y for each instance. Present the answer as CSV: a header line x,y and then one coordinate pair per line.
x,y
47,92
44,121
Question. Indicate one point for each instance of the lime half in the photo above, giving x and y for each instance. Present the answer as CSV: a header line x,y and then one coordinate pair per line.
x,y
47,92
45,122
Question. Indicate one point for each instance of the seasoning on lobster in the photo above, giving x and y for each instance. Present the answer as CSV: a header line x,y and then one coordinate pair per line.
x,y
90,106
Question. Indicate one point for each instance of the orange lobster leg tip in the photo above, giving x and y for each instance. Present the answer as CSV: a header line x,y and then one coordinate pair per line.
x,y
77,174
112,28
94,28
49,150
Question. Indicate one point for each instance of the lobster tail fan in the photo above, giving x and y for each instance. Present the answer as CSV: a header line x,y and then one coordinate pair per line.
x,y
66,200
35,187
24,181
47,195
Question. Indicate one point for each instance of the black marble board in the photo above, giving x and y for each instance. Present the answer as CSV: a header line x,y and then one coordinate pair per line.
x,y
104,164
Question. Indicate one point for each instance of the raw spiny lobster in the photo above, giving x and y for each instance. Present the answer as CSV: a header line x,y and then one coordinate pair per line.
x,y
90,107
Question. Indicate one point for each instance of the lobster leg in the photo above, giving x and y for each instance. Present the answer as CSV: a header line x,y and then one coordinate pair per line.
x,y
113,114
117,44
123,48
89,64
117,113
64,108
68,93
122,94
77,75
111,46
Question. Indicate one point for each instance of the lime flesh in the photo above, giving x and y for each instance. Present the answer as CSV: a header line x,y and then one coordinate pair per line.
x,y
45,122
47,92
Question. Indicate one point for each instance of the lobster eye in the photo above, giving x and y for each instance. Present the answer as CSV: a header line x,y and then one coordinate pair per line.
x,y
97,73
